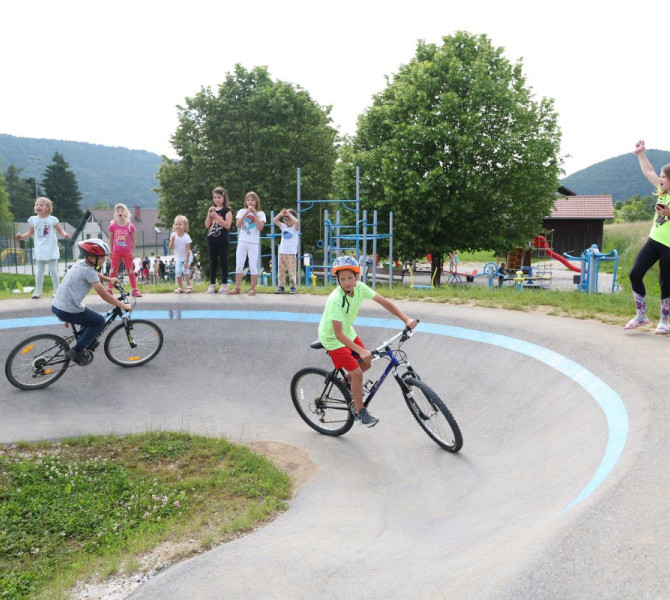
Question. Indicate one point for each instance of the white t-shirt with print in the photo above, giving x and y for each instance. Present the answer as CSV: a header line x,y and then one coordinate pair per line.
x,y
249,233
46,241
289,239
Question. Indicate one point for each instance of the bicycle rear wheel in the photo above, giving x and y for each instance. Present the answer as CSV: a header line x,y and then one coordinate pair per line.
x,y
37,361
134,347
433,415
322,402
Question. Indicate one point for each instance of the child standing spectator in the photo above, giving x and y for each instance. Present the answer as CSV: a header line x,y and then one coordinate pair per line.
x,y
122,241
287,221
180,241
218,222
337,335
44,227
249,222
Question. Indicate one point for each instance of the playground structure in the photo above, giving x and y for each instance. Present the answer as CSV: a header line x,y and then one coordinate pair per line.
x,y
339,238
526,268
590,268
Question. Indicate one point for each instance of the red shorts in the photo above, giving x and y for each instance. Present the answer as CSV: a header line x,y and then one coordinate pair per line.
x,y
346,358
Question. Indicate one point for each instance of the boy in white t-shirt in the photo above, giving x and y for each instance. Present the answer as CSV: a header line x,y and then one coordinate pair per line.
x,y
287,221
180,241
43,225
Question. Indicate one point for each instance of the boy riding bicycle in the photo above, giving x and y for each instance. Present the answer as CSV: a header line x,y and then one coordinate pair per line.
x,y
68,305
337,334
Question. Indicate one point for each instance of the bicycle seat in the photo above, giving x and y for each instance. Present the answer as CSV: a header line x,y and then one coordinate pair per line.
x,y
316,345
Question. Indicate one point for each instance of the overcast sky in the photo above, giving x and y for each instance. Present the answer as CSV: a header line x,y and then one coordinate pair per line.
x,y
113,73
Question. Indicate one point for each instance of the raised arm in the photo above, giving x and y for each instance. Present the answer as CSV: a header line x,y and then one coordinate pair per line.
x,y
646,167
293,221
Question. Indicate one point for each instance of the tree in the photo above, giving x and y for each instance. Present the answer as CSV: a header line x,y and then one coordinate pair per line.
x,y
60,186
6,217
636,208
456,146
21,193
249,135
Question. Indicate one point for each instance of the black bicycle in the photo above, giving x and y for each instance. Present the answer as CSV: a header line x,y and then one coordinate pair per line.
x,y
40,360
323,399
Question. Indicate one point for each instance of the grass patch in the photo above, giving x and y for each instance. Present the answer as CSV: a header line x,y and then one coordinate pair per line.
x,y
91,506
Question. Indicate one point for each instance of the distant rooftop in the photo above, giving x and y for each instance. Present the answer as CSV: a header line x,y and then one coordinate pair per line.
x,y
583,207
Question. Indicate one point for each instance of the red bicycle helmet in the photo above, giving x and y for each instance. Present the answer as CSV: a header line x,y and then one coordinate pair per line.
x,y
345,263
93,247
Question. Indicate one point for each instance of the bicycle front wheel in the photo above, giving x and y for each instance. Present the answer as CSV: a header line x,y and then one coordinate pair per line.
x,y
135,346
37,362
433,415
322,401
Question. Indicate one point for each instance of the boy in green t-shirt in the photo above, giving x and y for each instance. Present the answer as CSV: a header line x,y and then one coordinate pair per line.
x,y
337,334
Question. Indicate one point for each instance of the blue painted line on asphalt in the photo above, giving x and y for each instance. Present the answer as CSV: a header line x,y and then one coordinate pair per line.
x,y
608,400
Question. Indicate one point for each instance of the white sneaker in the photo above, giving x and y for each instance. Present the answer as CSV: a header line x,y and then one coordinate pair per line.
x,y
211,289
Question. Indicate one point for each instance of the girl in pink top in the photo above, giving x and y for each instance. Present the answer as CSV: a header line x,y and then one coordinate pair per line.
x,y
122,241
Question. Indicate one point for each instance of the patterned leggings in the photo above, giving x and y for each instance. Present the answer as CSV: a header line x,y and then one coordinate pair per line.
x,y
287,266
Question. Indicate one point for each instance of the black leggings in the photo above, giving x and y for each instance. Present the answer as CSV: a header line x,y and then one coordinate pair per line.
x,y
651,252
218,255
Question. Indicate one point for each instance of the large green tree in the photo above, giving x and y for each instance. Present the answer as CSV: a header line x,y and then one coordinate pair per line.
x,y
61,187
21,193
458,148
251,134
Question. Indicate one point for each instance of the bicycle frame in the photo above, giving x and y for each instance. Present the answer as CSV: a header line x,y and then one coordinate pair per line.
x,y
110,317
385,350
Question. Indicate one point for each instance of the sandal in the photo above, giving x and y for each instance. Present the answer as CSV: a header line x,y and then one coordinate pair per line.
x,y
251,292
634,323
189,289
179,291
235,291
662,329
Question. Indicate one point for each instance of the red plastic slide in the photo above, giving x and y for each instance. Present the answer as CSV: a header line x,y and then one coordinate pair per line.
x,y
539,241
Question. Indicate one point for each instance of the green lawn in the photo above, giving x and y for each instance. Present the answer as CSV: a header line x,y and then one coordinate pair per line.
x,y
90,506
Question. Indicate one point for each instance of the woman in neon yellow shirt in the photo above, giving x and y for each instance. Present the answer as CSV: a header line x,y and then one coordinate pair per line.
x,y
656,248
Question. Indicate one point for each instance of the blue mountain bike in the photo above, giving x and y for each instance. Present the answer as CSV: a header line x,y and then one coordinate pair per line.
x,y
323,400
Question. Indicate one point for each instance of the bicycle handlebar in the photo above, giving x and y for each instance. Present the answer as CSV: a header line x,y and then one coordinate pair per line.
x,y
404,335
125,296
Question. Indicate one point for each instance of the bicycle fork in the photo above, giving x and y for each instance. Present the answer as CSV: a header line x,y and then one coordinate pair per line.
x,y
408,392
128,324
